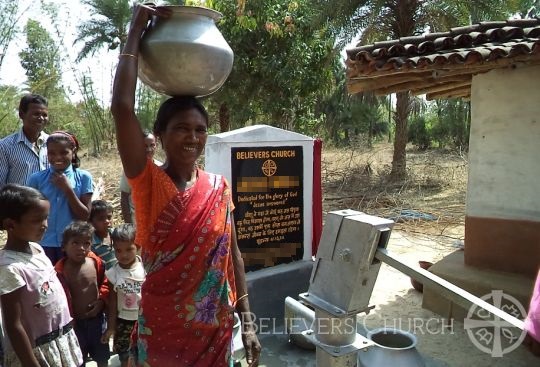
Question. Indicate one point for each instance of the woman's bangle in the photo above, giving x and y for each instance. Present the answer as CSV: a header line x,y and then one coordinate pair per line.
x,y
130,55
241,297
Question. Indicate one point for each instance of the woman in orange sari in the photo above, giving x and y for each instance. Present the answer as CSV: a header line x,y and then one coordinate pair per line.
x,y
195,273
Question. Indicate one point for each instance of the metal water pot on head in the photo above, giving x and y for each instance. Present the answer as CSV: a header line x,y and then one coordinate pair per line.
x,y
186,53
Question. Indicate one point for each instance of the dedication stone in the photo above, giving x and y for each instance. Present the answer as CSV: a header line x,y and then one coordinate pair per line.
x,y
270,171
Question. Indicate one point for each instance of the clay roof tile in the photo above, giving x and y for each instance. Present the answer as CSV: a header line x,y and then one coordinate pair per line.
x,y
463,50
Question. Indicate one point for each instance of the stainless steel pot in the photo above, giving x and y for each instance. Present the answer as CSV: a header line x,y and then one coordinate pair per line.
x,y
185,54
393,347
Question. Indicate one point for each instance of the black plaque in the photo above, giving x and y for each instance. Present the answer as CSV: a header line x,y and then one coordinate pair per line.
x,y
267,186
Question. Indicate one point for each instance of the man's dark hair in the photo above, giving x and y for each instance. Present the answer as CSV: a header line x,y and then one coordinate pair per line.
x,y
27,99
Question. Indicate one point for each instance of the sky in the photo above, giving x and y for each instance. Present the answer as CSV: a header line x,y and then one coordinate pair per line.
x,y
100,67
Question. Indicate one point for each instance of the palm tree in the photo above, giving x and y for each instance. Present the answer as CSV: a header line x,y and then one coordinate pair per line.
x,y
379,20
108,26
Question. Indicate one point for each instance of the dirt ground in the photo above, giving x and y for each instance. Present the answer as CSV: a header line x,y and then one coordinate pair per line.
x,y
431,225
429,210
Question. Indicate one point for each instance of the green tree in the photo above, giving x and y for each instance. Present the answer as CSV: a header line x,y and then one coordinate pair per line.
x,y
98,126
107,27
9,95
418,129
453,123
282,63
148,102
9,117
348,116
529,8
41,61
8,25
419,133
379,20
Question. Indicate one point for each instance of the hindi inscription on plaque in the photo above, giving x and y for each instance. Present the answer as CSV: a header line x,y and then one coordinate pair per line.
x,y
267,187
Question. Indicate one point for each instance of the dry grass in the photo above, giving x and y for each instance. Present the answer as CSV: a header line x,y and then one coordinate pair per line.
x,y
436,183
107,168
355,178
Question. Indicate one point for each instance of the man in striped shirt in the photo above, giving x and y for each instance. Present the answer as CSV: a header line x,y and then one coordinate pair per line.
x,y
25,152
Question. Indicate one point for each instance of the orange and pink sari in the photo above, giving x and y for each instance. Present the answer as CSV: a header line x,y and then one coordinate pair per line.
x,y
185,316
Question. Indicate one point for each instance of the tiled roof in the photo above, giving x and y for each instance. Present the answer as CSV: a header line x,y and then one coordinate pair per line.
x,y
441,65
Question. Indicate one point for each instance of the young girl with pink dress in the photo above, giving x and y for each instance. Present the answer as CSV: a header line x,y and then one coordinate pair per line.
x,y
38,327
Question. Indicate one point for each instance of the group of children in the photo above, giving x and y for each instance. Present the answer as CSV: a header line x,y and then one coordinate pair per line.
x,y
62,300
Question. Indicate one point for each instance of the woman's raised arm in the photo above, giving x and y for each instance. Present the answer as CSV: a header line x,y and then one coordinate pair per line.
x,y
129,135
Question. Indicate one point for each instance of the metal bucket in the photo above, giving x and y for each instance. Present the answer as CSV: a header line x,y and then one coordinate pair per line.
x,y
393,347
185,54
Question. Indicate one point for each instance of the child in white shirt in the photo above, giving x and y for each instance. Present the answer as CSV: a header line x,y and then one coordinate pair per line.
x,y
125,278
